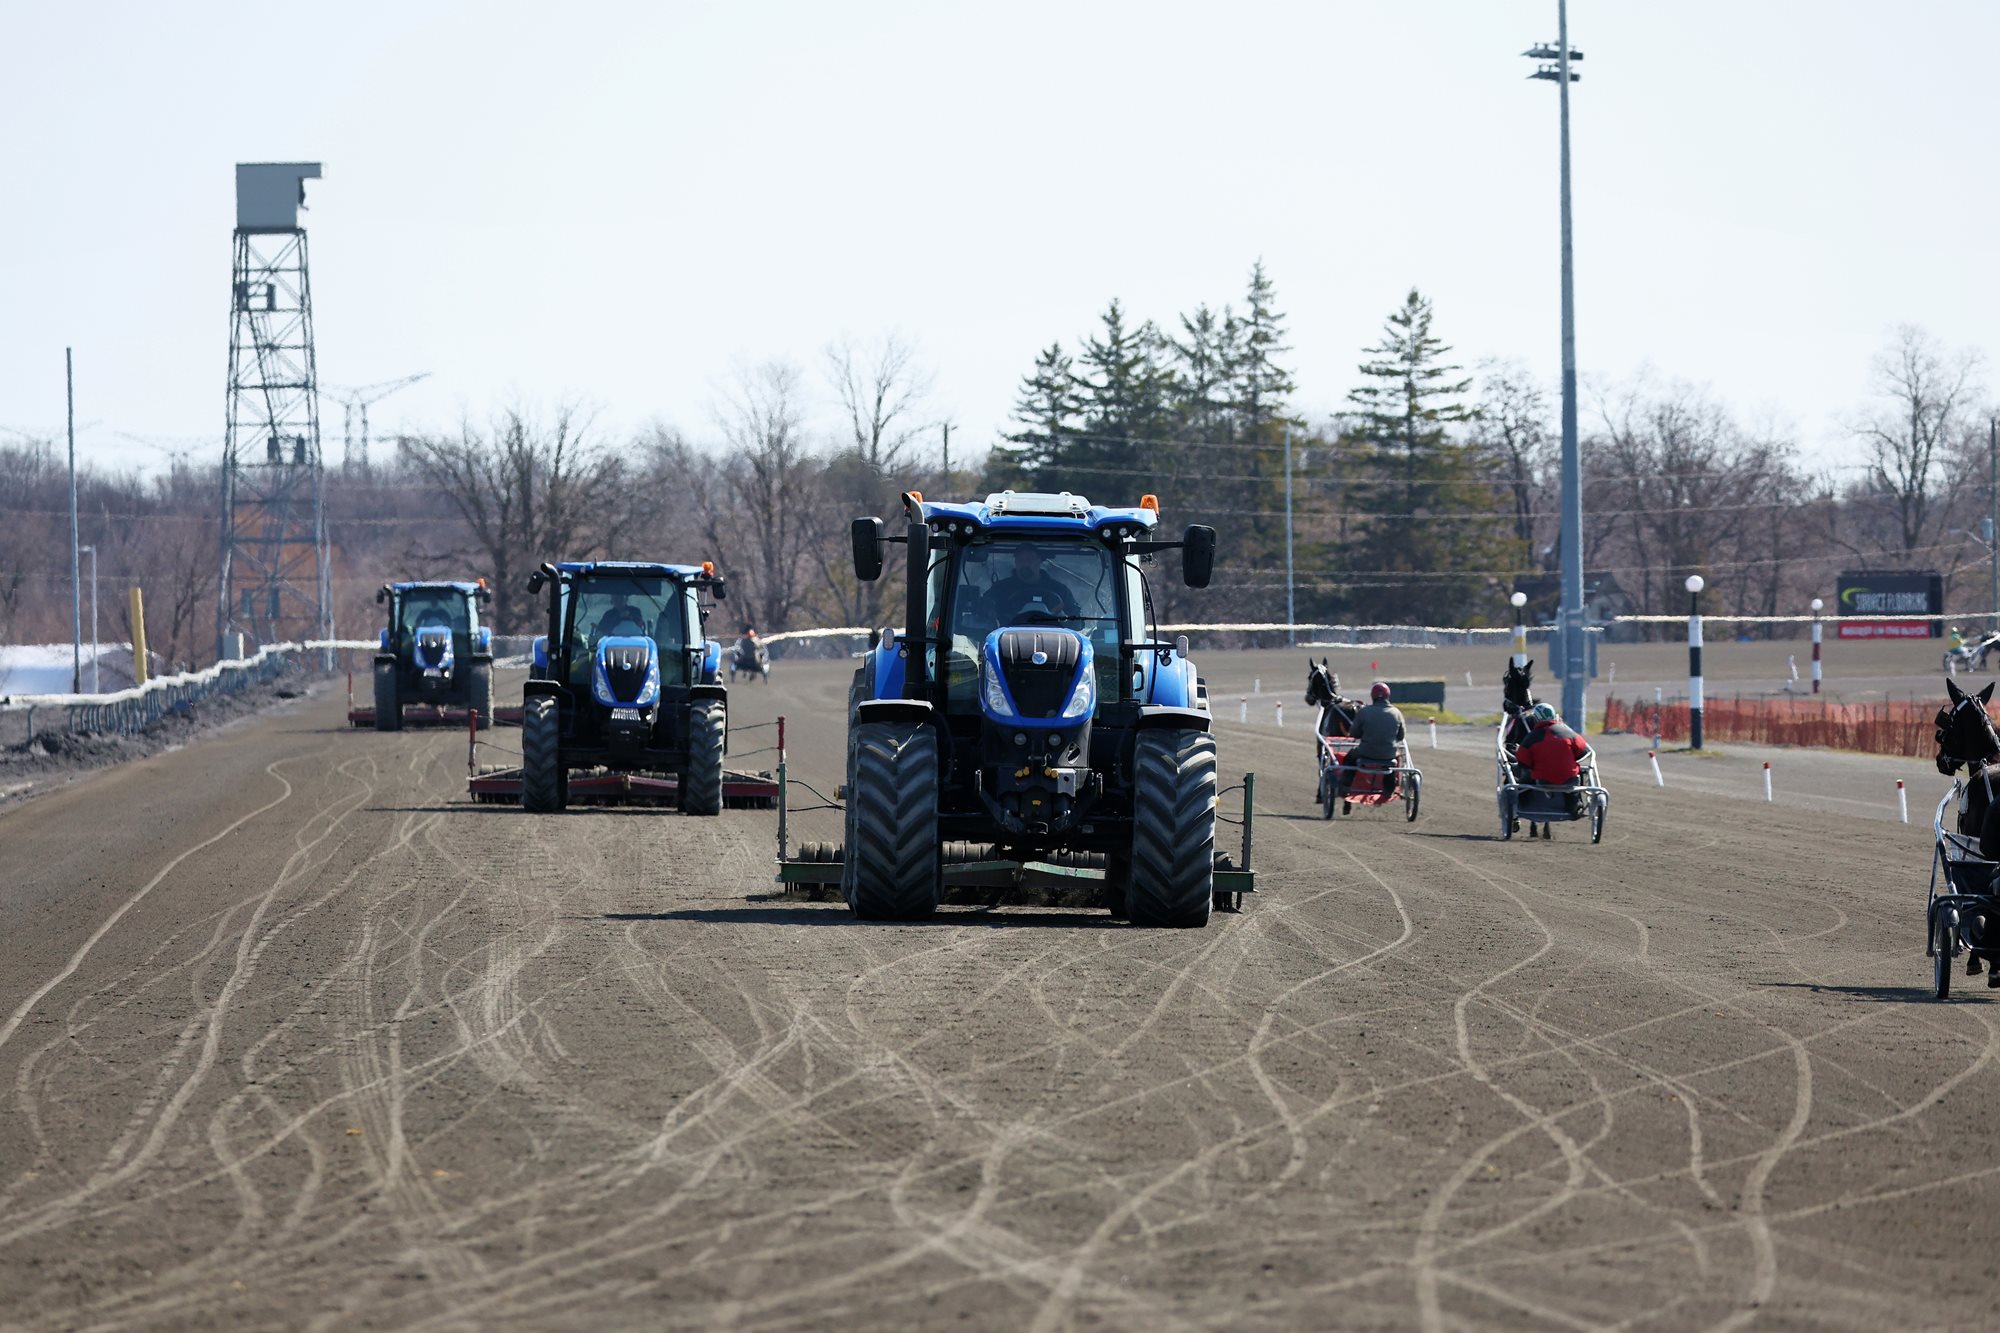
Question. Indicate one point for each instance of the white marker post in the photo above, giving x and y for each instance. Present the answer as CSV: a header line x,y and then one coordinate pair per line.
x,y
1816,605
1653,756
1434,733
1279,708
1243,709
1767,780
1694,587
1902,801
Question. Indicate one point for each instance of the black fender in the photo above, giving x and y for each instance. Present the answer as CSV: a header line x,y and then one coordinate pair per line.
x,y
892,710
719,692
538,689
1153,717
390,658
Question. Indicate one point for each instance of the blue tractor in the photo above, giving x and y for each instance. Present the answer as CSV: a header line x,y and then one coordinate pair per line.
x,y
433,652
625,681
1028,706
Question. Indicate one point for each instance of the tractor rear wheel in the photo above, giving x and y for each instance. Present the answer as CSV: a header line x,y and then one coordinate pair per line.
x,y
701,779
479,691
892,861
1173,829
388,709
541,756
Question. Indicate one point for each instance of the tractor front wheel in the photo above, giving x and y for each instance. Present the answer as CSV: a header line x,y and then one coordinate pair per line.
x,y
541,757
388,709
892,870
1173,829
701,779
479,691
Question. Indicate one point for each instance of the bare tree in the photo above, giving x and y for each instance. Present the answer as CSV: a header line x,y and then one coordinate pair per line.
x,y
528,490
772,482
1924,393
881,389
1513,432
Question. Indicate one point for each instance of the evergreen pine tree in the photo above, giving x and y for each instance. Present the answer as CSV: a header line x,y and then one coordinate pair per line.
x,y
1126,391
1422,546
1047,411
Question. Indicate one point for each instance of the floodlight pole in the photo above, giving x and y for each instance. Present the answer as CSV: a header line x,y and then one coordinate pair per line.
x,y
1694,586
1571,632
96,683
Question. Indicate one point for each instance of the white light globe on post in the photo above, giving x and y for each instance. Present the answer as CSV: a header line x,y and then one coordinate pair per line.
x,y
1817,603
1519,600
1694,583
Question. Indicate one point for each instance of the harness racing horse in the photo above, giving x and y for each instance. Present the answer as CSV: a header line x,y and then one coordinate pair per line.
x,y
1336,715
1966,739
1516,699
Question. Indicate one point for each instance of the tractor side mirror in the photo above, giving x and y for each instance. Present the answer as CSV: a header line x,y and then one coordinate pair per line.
x,y
721,590
1198,555
381,596
867,535
536,580
485,593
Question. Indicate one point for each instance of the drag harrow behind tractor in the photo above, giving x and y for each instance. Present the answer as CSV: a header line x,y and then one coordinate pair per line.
x,y
434,662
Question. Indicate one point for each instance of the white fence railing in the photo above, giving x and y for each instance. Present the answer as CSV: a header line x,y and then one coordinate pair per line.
x,y
26,716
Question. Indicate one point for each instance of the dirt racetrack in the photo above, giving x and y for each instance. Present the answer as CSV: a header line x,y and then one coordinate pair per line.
x,y
295,1036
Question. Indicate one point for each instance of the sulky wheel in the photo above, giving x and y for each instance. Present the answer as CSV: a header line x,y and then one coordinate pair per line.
x,y
1506,817
1329,784
1941,955
1413,796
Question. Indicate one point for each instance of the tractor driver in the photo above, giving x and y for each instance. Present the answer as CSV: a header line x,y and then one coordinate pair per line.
x,y
1030,590
621,617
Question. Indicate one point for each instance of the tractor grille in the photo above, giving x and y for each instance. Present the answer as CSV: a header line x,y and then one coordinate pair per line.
x,y
625,670
431,648
1040,689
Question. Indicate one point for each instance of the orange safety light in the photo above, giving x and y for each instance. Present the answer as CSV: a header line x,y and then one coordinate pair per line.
x,y
482,582
918,496
708,568
1151,502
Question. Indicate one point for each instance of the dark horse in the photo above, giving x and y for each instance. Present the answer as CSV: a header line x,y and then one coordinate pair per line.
x,y
1336,715
1516,700
1966,739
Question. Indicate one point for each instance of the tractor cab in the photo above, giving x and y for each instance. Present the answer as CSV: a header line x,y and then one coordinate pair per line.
x,y
624,677
433,652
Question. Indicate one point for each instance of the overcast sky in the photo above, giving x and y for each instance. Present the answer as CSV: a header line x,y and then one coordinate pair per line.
x,y
621,202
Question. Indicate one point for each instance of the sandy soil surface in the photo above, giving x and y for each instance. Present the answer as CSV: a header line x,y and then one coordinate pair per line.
x,y
294,1035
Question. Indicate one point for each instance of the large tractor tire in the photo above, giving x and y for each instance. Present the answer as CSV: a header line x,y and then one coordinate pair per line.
x,y
893,871
542,786
1173,829
388,708
701,780
479,691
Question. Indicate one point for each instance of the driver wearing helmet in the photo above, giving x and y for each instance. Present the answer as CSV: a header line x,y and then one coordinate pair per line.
x,y
1030,591
1552,751
1379,734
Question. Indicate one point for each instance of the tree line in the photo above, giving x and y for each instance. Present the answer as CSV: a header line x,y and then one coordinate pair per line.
x,y
1428,498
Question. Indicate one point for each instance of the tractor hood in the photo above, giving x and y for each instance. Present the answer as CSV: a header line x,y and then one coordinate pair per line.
x,y
1037,677
626,672
433,647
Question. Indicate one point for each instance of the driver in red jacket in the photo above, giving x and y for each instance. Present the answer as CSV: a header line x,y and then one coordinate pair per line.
x,y
1552,751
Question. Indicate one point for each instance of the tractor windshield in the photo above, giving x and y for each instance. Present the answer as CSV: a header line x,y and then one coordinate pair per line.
x,y
641,605
421,607
1023,581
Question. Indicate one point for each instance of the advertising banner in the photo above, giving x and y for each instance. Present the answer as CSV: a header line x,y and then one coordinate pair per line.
x,y
1894,592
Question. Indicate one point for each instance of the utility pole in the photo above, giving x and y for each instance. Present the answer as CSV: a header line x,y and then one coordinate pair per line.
x,y
1574,666
1291,599
75,559
96,682
947,458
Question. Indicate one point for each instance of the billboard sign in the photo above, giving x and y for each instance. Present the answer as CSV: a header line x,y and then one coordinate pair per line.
x,y
1868,593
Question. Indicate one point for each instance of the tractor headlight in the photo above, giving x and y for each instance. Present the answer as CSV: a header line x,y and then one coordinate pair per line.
x,y
996,694
1084,697
649,693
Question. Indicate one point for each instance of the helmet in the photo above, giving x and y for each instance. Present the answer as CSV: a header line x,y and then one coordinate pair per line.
x,y
1378,691
1543,712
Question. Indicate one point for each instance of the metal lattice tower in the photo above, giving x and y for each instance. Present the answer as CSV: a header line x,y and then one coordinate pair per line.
x,y
277,574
